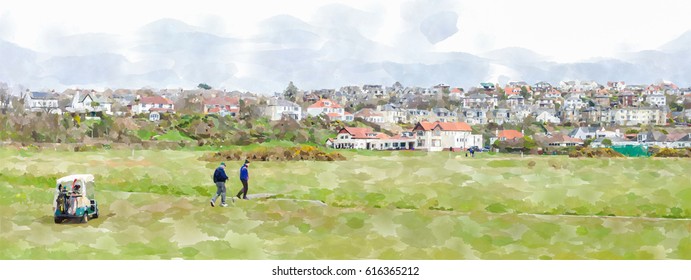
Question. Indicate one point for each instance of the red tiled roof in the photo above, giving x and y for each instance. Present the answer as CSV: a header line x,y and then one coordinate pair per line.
x,y
347,114
425,125
357,132
382,136
214,110
456,90
510,134
333,115
320,104
454,126
446,126
155,100
222,101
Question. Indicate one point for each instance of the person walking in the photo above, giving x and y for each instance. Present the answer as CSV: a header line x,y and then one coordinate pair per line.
x,y
244,177
220,179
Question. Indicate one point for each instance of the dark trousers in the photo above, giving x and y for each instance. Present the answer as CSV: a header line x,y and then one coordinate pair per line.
x,y
243,191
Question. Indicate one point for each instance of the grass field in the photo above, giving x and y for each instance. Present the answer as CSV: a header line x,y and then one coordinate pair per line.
x,y
379,205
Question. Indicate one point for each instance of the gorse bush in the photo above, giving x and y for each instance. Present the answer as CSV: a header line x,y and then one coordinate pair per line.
x,y
303,152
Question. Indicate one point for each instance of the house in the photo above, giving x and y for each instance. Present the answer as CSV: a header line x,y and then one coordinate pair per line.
x,y
327,107
475,116
392,113
456,93
657,100
444,115
619,86
365,138
559,140
627,99
222,105
153,103
573,101
501,115
542,86
487,86
479,100
506,134
547,116
509,90
439,136
638,116
417,115
370,115
592,133
515,100
277,109
602,100
616,141
578,85
679,140
41,101
376,91
90,103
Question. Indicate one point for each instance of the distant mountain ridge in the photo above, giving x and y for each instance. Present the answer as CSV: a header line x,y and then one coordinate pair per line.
x,y
172,53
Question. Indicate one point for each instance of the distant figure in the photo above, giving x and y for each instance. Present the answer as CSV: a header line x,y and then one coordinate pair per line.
x,y
244,177
220,179
472,152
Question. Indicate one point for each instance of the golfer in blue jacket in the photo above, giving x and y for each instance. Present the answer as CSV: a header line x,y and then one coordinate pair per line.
x,y
244,177
220,179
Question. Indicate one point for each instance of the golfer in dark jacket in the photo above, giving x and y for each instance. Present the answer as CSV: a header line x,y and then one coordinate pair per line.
x,y
244,177
220,179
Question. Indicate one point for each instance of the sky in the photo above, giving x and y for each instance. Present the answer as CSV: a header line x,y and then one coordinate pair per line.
x,y
396,31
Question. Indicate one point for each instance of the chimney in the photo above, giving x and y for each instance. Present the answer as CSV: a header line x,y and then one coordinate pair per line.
x,y
522,133
496,132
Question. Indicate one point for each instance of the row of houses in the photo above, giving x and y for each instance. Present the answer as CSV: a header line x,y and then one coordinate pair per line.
x,y
426,136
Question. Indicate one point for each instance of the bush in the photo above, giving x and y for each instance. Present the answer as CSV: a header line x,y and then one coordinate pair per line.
x,y
595,153
668,152
303,152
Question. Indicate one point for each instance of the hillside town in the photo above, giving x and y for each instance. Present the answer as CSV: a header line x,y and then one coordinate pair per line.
x,y
436,118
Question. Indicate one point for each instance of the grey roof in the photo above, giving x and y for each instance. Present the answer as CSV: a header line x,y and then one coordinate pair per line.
x,y
41,95
286,103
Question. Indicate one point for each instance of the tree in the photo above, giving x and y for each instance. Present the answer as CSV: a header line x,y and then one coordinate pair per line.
x,y
204,86
290,93
5,99
529,143
607,142
524,92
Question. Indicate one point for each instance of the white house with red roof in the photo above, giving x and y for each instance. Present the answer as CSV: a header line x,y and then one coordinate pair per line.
x,y
365,138
329,108
506,134
155,103
222,105
444,136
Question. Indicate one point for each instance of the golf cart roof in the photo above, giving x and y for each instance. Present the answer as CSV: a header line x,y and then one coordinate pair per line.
x,y
80,177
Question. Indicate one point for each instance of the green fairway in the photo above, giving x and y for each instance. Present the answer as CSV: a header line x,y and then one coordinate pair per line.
x,y
388,205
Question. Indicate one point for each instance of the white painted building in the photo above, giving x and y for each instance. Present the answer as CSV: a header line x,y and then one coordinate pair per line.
x,y
449,136
41,101
278,108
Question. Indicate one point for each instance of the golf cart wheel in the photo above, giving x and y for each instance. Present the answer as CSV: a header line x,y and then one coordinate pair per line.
x,y
85,218
58,220
95,215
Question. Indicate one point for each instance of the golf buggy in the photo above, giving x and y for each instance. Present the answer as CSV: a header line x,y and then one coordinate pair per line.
x,y
71,199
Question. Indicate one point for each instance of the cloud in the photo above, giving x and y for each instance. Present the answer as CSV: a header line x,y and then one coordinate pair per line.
x,y
439,26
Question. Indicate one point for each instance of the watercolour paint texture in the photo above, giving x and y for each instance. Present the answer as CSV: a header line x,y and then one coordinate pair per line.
x,y
389,130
